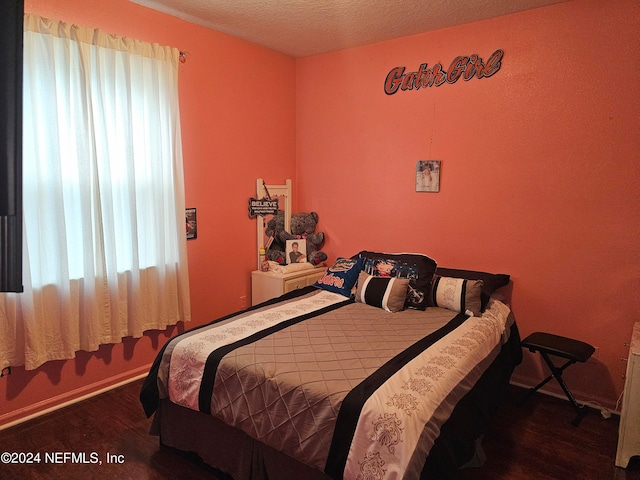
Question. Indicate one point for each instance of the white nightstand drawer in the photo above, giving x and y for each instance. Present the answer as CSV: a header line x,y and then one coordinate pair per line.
x,y
268,285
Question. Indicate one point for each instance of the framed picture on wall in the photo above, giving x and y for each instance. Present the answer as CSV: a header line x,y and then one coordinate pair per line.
x,y
192,223
428,176
296,251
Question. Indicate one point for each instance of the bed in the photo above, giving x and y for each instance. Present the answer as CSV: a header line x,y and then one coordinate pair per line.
x,y
386,368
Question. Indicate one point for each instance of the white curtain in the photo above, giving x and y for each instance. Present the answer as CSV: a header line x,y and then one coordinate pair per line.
x,y
104,215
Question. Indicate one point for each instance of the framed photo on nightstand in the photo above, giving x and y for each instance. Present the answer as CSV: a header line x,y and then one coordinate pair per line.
x,y
296,251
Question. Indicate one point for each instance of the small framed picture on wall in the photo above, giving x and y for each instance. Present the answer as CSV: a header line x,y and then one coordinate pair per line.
x,y
192,223
428,176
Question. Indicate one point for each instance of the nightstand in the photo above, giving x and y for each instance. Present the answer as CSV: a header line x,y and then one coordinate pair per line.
x,y
268,285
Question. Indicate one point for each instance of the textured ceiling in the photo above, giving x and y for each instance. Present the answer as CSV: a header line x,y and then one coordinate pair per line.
x,y
300,28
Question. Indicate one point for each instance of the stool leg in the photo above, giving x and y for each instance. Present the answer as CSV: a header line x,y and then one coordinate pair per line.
x,y
543,383
582,411
532,390
557,373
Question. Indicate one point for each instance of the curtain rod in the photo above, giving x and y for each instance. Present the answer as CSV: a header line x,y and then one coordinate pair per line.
x,y
184,56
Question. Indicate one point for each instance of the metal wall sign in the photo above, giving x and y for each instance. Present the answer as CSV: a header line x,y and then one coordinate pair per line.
x,y
465,67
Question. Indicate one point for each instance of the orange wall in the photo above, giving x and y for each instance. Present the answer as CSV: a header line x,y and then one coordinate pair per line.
x,y
540,167
237,104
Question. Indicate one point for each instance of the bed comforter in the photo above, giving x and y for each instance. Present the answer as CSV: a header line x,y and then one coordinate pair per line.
x,y
346,388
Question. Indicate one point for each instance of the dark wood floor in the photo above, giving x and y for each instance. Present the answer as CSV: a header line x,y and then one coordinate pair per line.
x,y
535,441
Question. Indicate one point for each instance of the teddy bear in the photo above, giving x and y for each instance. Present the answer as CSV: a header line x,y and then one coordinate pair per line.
x,y
303,226
276,248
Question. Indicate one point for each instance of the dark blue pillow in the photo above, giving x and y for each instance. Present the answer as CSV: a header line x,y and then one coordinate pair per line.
x,y
341,276
418,268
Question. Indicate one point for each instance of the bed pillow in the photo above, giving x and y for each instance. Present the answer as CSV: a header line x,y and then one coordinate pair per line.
x,y
341,276
388,293
490,281
419,269
457,294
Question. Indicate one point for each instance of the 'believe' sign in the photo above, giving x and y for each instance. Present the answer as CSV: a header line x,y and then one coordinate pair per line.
x,y
264,206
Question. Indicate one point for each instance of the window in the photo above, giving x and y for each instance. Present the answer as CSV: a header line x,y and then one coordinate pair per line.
x,y
104,243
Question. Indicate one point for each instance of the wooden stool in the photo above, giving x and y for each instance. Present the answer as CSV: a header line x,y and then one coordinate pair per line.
x,y
571,350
